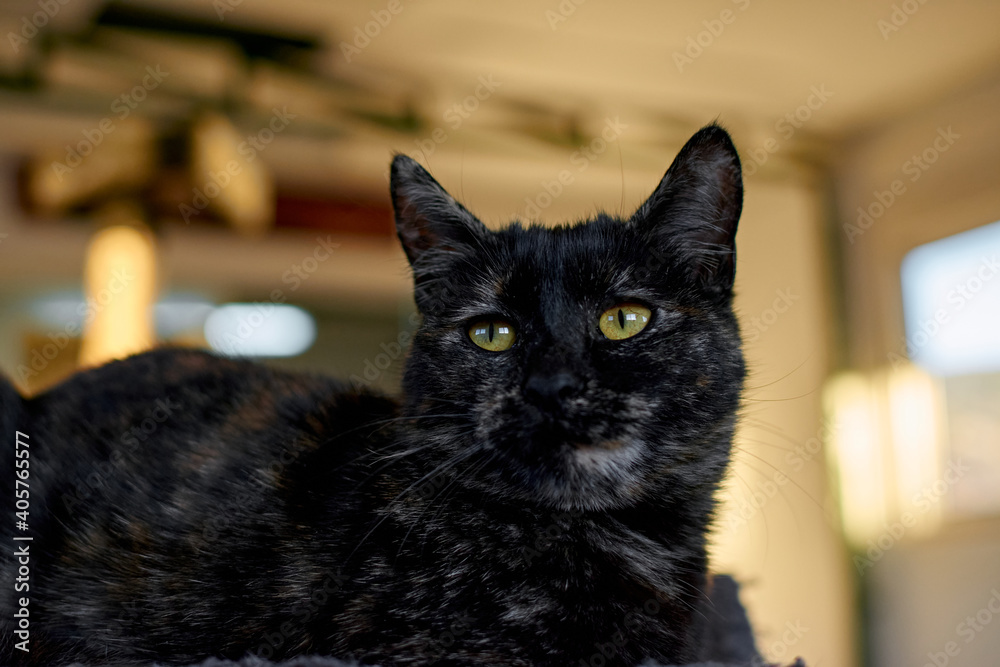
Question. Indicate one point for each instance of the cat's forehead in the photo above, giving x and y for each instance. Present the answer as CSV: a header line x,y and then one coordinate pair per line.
x,y
538,267
594,247
552,272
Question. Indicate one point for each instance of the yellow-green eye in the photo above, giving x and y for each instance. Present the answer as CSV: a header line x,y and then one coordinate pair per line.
x,y
624,320
492,335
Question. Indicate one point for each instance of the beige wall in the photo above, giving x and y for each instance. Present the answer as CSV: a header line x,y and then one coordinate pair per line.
x,y
784,544
923,590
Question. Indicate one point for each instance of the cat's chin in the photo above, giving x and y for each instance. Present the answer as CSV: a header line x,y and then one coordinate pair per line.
x,y
597,476
606,458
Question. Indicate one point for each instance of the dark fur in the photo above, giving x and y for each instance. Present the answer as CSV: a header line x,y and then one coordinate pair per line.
x,y
475,522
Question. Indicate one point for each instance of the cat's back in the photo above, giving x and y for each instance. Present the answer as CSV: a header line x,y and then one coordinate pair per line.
x,y
175,409
172,465
181,418
185,387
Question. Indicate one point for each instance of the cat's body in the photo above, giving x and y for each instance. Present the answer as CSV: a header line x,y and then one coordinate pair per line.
x,y
543,503
177,578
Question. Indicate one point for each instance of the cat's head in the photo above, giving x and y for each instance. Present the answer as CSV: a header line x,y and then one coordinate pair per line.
x,y
586,366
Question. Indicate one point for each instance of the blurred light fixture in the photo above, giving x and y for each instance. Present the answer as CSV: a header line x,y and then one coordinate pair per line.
x,y
951,302
120,287
63,309
235,329
178,313
260,330
916,409
887,451
857,457
173,314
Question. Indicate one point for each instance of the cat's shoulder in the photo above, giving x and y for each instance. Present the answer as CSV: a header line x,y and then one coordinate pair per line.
x,y
171,367
168,369
204,387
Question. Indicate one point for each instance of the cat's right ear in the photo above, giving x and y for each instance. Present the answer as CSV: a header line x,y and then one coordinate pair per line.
x,y
693,214
433,228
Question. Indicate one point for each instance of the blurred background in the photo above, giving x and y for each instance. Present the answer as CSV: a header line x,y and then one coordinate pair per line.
x,y
215,174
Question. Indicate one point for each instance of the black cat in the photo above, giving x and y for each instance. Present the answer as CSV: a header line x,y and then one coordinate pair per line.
x,y
540,495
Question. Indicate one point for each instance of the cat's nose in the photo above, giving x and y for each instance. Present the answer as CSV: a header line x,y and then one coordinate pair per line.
x,y
551,390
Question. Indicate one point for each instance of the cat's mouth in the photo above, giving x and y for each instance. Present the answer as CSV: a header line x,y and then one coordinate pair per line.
x,y
571,459
606,445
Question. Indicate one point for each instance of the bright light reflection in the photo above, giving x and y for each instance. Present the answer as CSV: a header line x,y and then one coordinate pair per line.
x,y
178,313
260,330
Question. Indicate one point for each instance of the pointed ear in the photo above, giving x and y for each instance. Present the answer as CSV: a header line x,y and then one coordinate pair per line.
x,y
693,213
431,225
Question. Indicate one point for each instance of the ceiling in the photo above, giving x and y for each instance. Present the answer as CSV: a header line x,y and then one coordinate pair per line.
x,y
625,56
562,70
876,59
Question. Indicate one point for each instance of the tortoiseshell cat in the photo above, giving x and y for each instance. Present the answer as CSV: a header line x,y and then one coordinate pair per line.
x,y
540,494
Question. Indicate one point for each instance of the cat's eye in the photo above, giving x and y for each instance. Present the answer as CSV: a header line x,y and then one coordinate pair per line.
x,y
492,335
624,320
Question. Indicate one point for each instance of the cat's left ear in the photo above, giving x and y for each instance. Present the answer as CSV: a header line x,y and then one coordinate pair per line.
x,y
693,213
431,225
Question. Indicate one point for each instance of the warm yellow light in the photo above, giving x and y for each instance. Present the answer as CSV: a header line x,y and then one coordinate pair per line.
x,y
914,407
857,455
120,288
887,449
